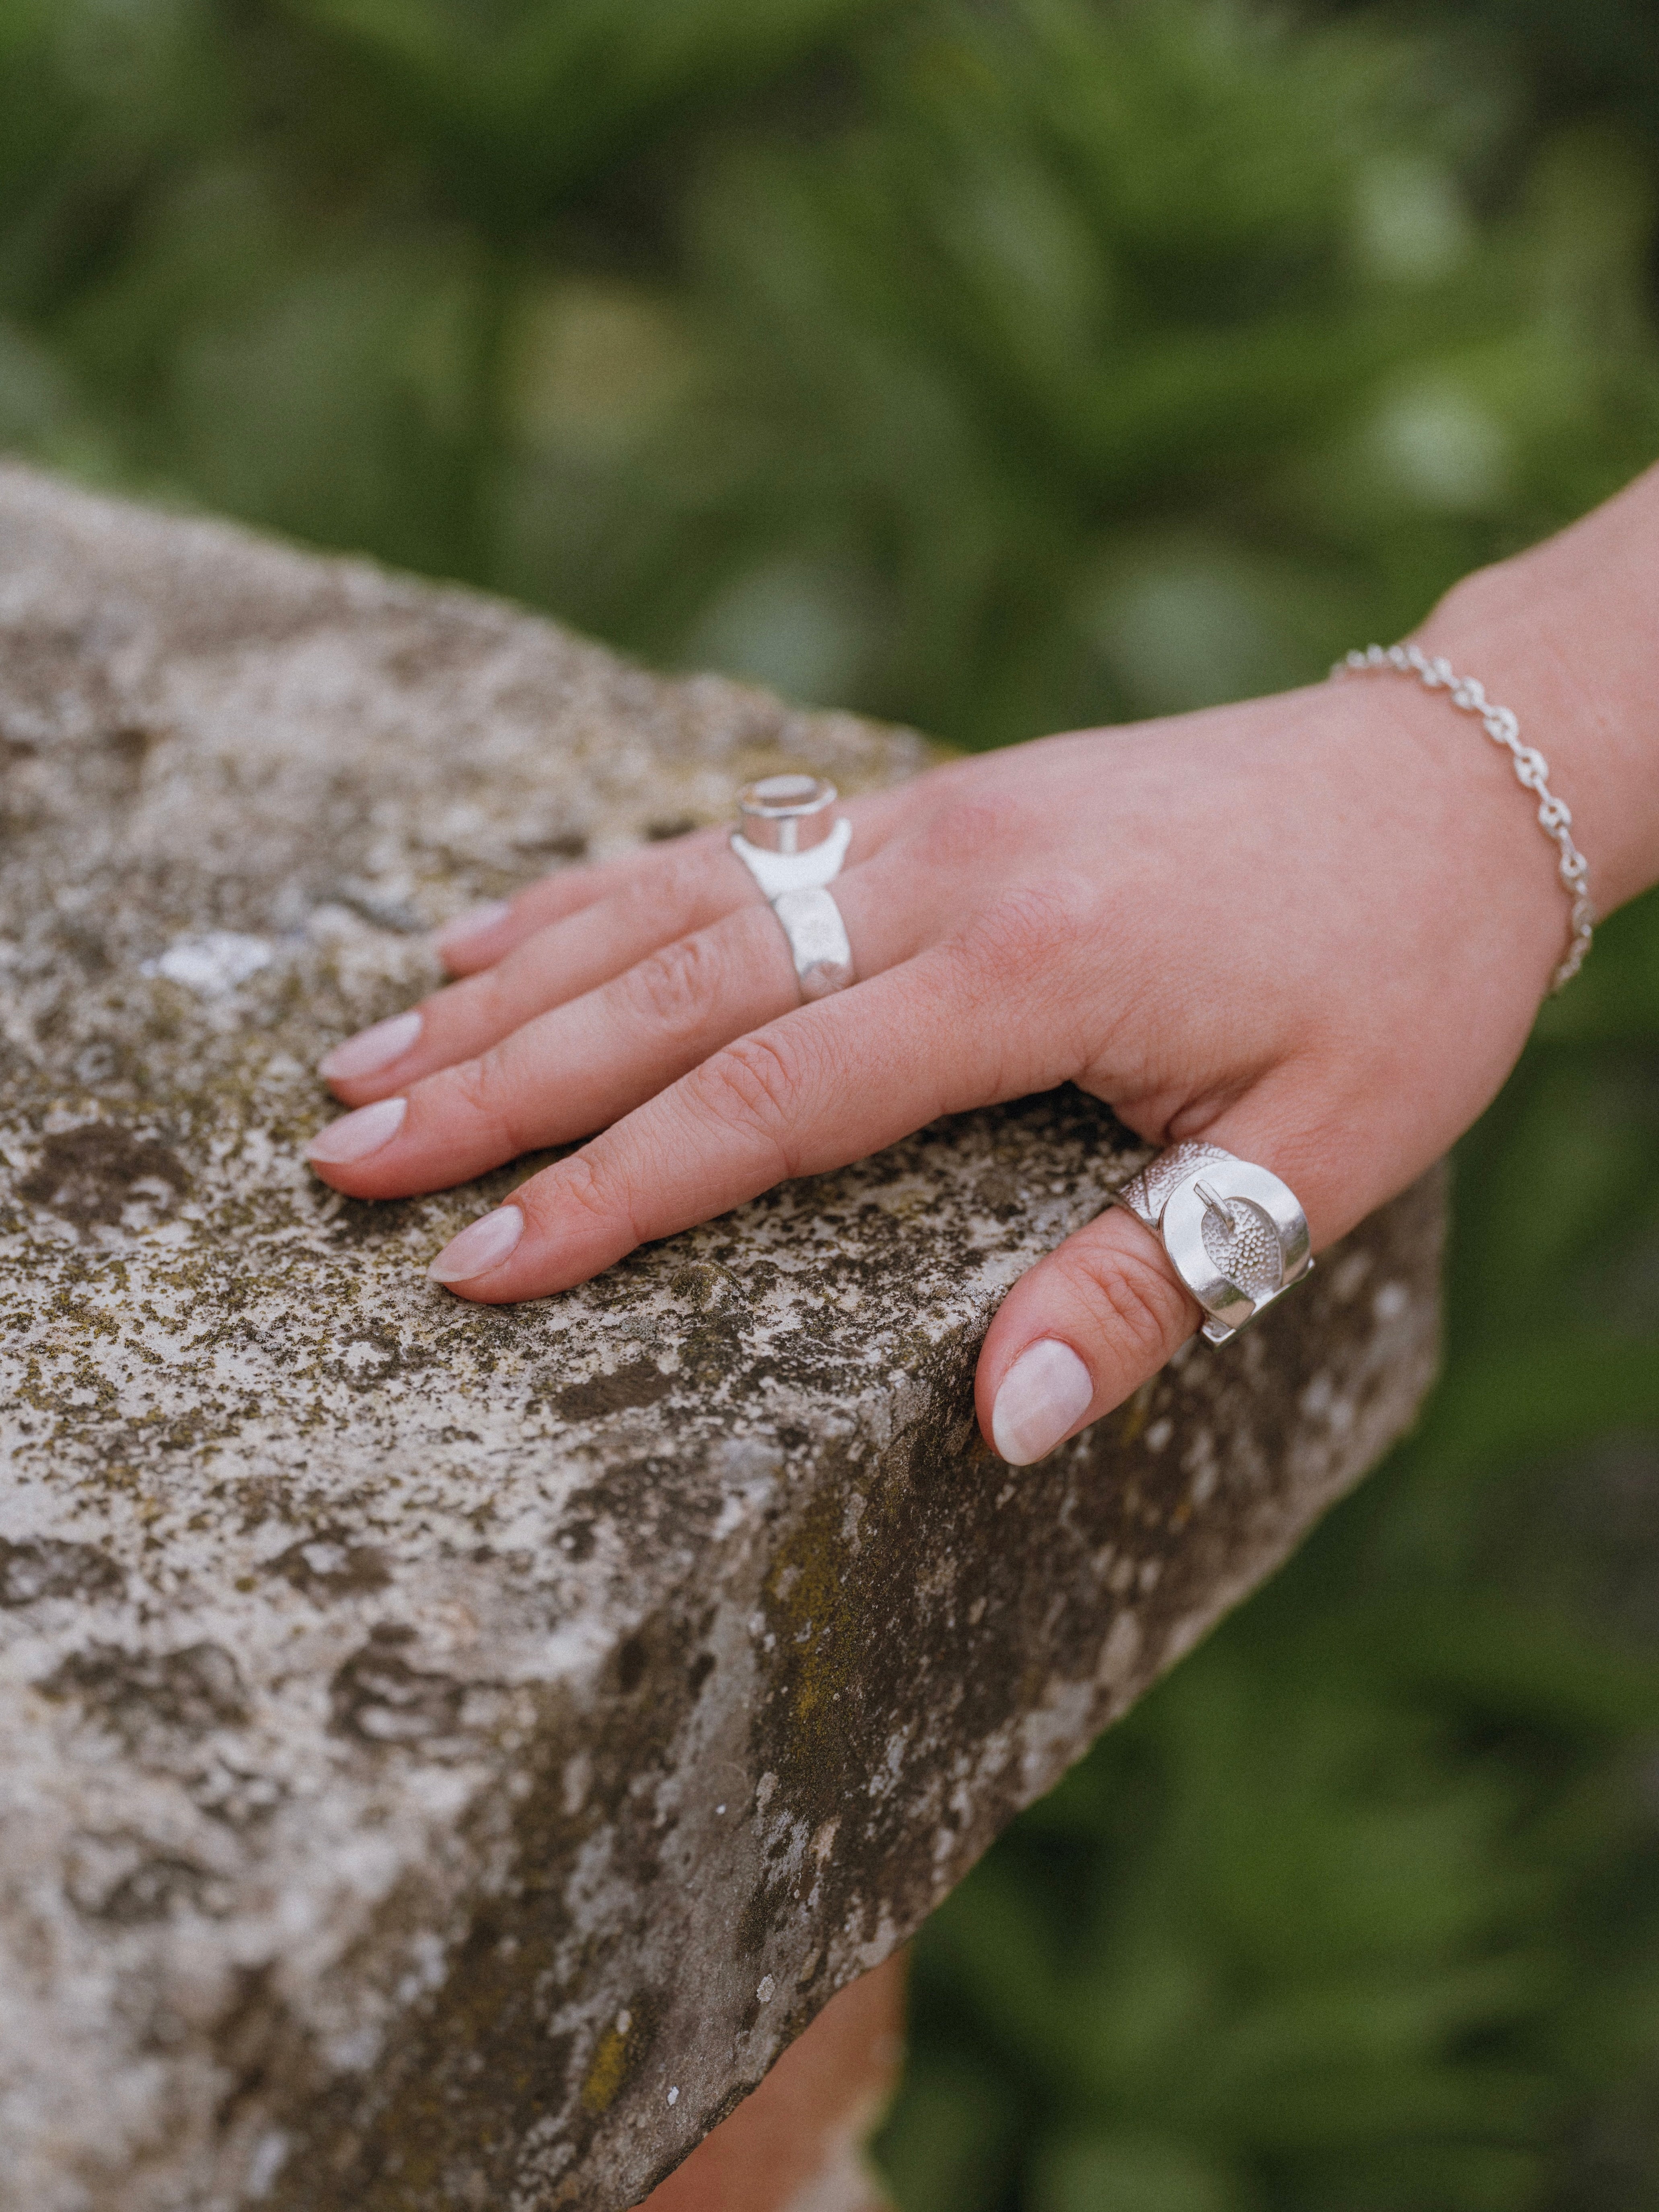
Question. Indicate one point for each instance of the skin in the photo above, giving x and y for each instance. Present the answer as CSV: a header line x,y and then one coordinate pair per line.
x,y
820,2097
1314,929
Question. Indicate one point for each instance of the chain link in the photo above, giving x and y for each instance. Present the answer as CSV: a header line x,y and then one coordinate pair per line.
x,y
1531,769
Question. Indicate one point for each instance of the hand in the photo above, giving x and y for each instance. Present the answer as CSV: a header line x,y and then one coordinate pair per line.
x,y
1314,928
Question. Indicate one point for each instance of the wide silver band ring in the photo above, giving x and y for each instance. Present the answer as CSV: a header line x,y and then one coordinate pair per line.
x,y
792,843
1235,1234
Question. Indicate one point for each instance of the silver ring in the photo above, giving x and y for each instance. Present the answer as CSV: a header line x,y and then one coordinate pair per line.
x,y
1235,1234
792,843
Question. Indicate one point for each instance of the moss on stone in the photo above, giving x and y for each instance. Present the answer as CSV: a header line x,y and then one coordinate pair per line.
x,y
396,1695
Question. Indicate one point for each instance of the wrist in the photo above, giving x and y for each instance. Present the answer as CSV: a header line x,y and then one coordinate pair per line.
x,y
1431,774
1563,634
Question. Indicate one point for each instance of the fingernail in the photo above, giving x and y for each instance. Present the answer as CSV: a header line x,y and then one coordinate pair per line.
x,y
478,921
355,1136
481,1245
372,1049
1046,1390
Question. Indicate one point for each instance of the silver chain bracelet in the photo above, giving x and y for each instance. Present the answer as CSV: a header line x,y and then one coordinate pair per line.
x,y
1531,769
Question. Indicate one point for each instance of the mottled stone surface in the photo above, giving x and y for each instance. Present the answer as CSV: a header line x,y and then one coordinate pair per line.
x,y
445,1752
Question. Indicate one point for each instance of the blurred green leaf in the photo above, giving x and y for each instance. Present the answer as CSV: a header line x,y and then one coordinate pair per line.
x,y
949,2144
536,93
1002,365
1108,2173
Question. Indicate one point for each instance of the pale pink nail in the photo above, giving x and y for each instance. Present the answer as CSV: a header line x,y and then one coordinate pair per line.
x,y
372,1049
355,1136
478,921
1045,1392
481,1245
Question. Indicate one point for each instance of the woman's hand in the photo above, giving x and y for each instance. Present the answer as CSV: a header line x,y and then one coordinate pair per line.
x,y
1314,928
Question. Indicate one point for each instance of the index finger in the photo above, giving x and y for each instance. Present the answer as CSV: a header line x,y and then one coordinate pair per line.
x,y
824,1085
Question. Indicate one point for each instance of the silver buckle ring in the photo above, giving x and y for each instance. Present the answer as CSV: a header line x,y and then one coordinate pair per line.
x,y
1236,1235
792,844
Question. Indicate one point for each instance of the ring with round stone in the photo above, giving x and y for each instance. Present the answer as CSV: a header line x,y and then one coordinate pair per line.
x,y
1235,1234
792,843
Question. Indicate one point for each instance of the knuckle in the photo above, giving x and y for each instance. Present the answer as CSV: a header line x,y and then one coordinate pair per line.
x,y
674,887
1027,926
676,988
1134,1297
482,1090
588,1185
754,1085
482,1005
472,1087
966,827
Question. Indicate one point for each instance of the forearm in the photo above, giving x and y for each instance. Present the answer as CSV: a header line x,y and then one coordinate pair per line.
x,y
1567,633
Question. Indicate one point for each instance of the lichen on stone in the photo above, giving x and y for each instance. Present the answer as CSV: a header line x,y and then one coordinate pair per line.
x,y
397,1695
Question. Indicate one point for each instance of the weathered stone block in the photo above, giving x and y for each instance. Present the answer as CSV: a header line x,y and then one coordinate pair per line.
x,y
446,1753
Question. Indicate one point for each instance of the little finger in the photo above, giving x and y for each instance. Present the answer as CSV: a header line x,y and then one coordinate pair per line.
x,y
482,935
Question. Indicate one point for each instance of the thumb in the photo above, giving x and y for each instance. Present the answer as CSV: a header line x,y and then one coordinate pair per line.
x,y
1082,1330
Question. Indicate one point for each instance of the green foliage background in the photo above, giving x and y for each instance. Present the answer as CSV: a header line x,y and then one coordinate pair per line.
x,y
999,365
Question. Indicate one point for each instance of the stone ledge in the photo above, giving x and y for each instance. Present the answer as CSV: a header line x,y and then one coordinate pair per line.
x,y
447,1752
